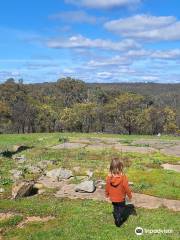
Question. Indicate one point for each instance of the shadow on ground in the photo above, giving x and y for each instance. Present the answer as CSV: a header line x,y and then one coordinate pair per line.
x,y
9,154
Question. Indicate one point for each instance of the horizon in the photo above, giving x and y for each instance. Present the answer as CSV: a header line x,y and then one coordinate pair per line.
x,y
118,41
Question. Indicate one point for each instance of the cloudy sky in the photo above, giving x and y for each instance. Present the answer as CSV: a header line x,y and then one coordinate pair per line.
x,y
93,40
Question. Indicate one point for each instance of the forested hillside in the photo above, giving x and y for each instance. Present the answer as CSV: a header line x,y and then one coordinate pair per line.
x,y
73,105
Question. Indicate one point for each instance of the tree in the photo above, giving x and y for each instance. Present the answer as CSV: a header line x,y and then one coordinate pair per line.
x,y
72,91
128,107
169,125
80,117
47,119
4,116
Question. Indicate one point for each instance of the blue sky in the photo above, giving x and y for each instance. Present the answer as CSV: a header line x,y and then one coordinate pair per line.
x,y
92,40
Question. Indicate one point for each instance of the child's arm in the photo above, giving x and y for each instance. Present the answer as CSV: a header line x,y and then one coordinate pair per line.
x,y
126,187
107,187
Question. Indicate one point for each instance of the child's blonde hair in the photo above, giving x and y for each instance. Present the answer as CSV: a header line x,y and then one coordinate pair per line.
x,y
116,166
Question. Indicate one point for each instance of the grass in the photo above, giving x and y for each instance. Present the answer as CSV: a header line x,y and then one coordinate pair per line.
x,y
86,219
83,219
143,169
49,139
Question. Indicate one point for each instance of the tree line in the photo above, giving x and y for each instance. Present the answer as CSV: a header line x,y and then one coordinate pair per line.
x,y
73,105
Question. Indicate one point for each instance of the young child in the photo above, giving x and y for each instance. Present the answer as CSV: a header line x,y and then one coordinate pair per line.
x,y
116,190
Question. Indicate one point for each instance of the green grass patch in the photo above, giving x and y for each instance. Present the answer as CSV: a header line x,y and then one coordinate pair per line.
x,y
86,219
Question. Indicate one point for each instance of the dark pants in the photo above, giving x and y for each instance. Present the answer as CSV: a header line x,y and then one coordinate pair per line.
x,y
122,212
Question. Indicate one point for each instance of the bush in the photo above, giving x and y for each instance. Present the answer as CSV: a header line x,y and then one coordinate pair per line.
x,y
63,139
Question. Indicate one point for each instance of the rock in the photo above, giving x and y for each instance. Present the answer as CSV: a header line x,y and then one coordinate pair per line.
x,y
85,187
20,159
69,145
43,164
76,169
33,169
16,174
16,147
89,173
1,190
22,189
59,174
41,191
100,184
171,167
38,185
50,182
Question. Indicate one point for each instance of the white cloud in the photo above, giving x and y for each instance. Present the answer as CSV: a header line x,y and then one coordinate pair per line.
x,y
167,54
110,62
130,57
80,41
75,16
104,75
103,3
155,54
146,27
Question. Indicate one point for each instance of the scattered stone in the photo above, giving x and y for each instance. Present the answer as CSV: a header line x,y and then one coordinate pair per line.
x,y
59,174
20,159
86,186
16,174
34,219
89,173
33,169
76,169
15,148
100,184
50,182
1,190
43,164
22,189
38,185
172,167
41,191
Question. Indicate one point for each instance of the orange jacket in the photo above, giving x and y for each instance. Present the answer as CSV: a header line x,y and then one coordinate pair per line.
x,y
117,188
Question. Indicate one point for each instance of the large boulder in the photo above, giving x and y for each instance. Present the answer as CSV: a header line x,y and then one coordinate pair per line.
x,y
22,189
59,174
85,187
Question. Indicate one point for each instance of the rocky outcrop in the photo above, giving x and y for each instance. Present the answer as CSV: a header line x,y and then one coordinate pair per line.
x,y
59,174
85,187
22,189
